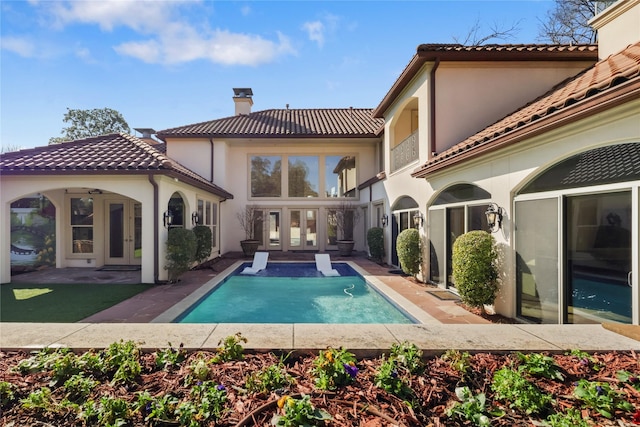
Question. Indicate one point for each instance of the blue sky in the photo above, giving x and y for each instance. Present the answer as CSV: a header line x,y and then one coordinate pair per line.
x,y
164,64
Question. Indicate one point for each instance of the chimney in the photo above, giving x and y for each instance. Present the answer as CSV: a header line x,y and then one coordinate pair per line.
x,y
147,135
242,99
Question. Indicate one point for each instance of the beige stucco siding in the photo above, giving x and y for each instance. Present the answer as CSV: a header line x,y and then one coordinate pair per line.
x,y
502,174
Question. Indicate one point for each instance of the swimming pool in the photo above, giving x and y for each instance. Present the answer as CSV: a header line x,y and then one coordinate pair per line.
x,y
294,293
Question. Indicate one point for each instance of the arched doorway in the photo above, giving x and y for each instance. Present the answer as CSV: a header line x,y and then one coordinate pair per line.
x,y
576,238
458,209
402,212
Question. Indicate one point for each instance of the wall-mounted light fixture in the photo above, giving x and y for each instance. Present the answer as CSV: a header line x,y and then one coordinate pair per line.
x,y
418,219
167,218
195,218
95,191
384,220
494,215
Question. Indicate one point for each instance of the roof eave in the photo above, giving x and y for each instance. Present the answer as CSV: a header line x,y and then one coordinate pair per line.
x,y
606,100
424,56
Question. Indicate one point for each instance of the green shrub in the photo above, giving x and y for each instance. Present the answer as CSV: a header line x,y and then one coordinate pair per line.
x,y
203,242
408,247
181,251
375,241
474,268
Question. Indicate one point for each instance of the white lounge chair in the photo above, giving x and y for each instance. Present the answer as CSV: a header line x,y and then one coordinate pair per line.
x,y
259,263
323,265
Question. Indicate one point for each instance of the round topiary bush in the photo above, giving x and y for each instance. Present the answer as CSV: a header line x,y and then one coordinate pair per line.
x,y
474,268
181,251
375,241
408,247
203,242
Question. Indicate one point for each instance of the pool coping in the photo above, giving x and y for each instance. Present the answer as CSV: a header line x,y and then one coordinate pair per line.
x,y
416,313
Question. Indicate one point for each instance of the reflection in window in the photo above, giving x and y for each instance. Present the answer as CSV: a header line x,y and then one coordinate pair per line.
x,y
266,176
303,176
82,225
340,176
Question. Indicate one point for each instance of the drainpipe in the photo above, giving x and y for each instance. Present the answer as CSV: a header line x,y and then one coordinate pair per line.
x,y
432,109
156,224
211,143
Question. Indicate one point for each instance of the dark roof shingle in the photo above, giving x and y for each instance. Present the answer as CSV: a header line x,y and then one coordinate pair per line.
x,y
113,153
308,123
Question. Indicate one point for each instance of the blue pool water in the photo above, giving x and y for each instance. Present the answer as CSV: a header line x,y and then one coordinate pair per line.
x,y
294,293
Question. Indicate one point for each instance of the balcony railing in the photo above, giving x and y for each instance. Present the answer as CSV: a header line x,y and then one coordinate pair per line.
x,y
405,152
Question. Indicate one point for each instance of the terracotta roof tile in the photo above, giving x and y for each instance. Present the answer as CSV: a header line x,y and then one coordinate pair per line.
x,y
604,75
113,153
334,122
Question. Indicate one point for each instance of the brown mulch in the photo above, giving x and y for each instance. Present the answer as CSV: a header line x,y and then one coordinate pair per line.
x,y
361,403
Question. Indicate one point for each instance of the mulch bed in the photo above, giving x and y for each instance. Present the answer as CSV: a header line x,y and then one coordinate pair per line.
x,y
361,403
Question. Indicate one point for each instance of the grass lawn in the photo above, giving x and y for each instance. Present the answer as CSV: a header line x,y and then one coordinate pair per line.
x,y
64,303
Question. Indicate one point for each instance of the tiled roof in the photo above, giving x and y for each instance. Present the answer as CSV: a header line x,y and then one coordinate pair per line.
x,y
279,123
492,52
620,72
106,154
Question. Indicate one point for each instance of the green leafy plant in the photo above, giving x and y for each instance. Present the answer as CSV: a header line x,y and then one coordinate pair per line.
x,y
460,361
79,387
585,359
199,369
207,403
511,386
121,360
472,407
6,393
407,355
170,357
375,242
181,251
409,254
230,348
298,412
40,400
571,418
272,377
628,378
204,242
112,411
334,368
474,268
388,379
541,365
601,397
160,409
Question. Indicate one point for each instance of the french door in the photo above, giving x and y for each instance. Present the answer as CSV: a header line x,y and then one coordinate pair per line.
x,y
303,229
123,232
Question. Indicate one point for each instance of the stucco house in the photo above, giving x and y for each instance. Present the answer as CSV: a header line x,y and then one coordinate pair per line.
x,y
548,136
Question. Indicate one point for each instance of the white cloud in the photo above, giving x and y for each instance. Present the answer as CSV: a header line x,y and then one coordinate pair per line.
x,y
169,37
315,31
245,10
18,45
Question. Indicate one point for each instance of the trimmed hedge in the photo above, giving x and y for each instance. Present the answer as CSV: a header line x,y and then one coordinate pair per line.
x,y
181,251
474,268
408,247
203,243
375,241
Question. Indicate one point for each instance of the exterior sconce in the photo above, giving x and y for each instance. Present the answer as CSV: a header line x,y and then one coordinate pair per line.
x,y
418,220
195,218
494,215
167,218
384,220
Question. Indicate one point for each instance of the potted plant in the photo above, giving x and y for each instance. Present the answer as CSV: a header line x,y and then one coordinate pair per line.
x,y
346,216
249,218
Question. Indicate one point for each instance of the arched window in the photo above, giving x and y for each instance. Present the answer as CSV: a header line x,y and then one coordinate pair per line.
x,y
458,209
176,208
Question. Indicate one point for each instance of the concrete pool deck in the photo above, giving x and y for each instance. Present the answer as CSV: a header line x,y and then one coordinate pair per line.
x,y
445,325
